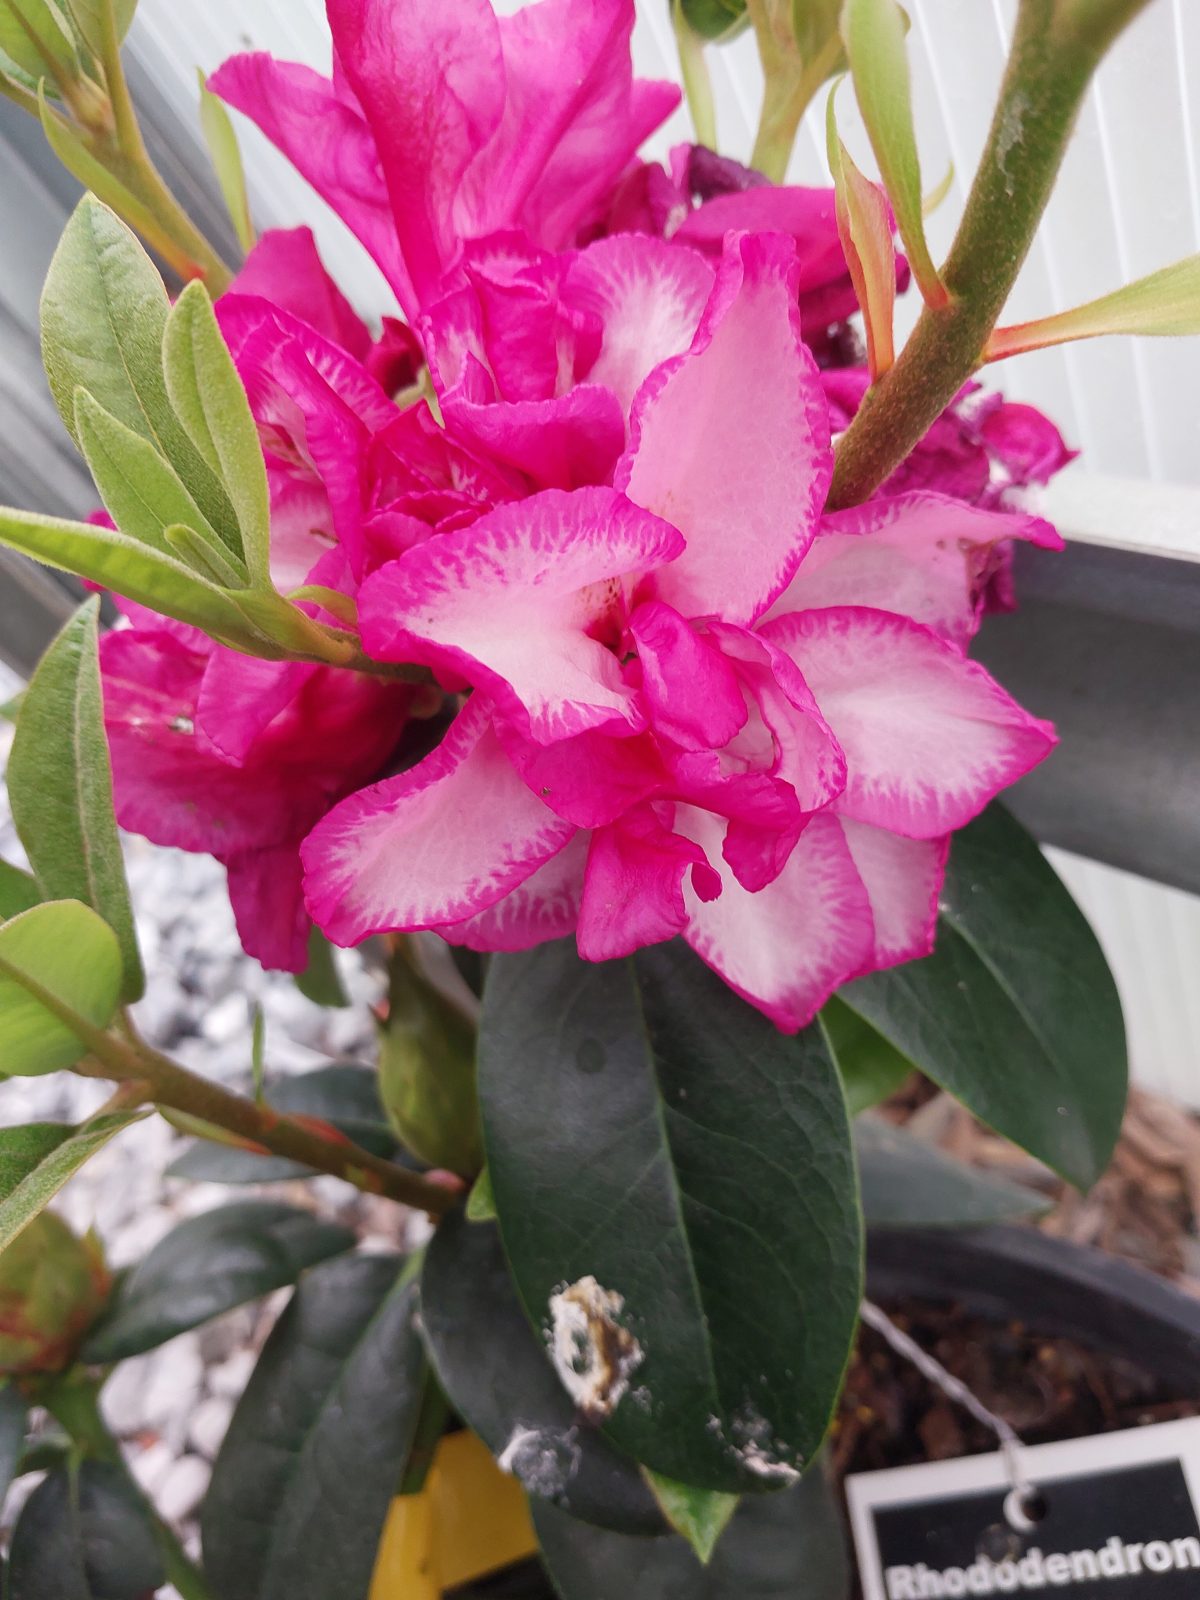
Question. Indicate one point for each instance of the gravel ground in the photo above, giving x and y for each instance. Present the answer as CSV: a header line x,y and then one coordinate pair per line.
x,y
172,1407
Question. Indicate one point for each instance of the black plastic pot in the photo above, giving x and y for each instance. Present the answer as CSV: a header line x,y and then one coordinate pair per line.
x,y
1057,1288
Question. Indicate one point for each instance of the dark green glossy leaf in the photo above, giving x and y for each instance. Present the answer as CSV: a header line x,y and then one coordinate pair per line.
x,y
104,312
13,1414
345,1095
1016,1011
59,952
18,891
208,1265
320,1440
871,1069
906,1183
37,1159
320,981
653,1140
495,1373
60,787
85,1535
785,1546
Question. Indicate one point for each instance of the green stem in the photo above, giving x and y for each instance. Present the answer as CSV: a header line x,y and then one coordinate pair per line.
x,y
697,86
1057,46
74,1401
783,108
168,1084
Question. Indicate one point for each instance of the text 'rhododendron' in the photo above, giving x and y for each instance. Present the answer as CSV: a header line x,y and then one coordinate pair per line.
x,y
697,706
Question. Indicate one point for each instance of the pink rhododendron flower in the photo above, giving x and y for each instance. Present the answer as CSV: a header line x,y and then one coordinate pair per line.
x,y
213,751
697,706
443,123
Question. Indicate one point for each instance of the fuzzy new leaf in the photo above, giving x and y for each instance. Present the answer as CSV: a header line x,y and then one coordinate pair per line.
x,y
34,38
865,229
60,787
1165,303
90,21
873,31
37,1160
60,966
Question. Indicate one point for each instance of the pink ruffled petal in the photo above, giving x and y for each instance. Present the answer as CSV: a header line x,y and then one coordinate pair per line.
x,y
326,138
590,779
929,737
435,845
744,481
633,890
692,693
285,267
787,947
268,904
649,297
922,555
903,879
545,906
514,602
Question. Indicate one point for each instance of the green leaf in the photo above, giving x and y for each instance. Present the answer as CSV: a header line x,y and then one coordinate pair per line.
x,y
494,1370
88,17
715,20
906,1183
345,1095
217,127
786,1546
18,891
873,31
210,401
13,1417
198,552
104,312
699,1515
208,1265
60,951
320,1440
84,1534
1164,303
865,228
320,981
870,1068
674,1180
142,491
1015,1012
32,35
126,566
60,787
481,1202
38,1159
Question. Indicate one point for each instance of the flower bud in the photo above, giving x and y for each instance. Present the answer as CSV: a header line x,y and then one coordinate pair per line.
x,y
52,1287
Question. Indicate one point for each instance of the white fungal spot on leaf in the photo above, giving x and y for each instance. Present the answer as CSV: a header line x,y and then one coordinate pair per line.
x,y
542,1460
593,1354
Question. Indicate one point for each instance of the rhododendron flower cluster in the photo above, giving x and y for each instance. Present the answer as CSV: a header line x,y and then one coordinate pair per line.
x,y
583,488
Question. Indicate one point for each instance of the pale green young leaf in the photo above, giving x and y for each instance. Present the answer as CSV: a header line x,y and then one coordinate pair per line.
x,y
18,891
870,1068
60,787
217,127
700,1515
60,966
873,32
1165,303
118,562
88,17
34,37
143,492
865,228
209,398
320,981
206,558
104,310
481,1203
37,1160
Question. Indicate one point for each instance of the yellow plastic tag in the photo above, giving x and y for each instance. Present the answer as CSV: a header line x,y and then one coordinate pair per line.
x,y
468,1520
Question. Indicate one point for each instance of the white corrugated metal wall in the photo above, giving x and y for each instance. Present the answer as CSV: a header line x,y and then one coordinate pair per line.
x,y
1129,201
